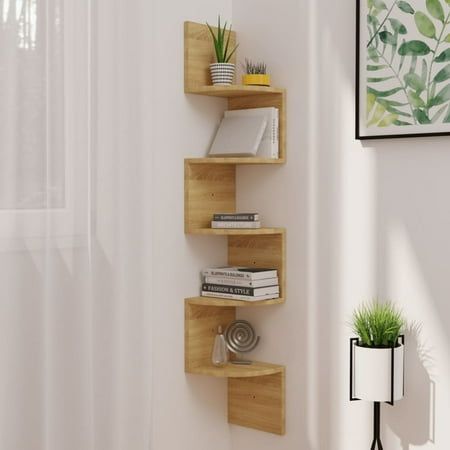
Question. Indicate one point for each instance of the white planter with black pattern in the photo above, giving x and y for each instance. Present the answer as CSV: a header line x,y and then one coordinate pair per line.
x,y
222,73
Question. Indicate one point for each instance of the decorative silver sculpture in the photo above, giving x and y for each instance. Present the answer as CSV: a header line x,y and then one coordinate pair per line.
x,y
240,337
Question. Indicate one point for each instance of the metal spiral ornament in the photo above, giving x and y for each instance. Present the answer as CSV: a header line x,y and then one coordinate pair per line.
x,y
240,336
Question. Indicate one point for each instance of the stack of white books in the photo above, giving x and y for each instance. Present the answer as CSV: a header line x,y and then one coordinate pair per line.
x,y
236,220
241,283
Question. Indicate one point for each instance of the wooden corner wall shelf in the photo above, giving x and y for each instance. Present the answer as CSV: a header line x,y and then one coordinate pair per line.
x,y
256,393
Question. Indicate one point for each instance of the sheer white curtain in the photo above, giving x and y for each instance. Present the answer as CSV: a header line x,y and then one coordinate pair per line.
x,y
75,217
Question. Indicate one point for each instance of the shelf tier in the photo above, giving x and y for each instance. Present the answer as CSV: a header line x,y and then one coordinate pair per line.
x,y
256,369
235,231
234,90
239,160
256,393
213,301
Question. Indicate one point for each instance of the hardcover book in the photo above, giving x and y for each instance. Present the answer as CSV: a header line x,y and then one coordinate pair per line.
x,y
235,224
228,281
239,217
240,290
246,273
268,148
246,298
238,136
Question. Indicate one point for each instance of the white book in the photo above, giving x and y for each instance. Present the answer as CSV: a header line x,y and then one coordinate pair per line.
x,y
269,146
235,224
239,297
244,283
238,136
243,273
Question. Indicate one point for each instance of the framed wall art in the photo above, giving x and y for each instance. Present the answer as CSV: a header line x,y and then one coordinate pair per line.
x,y
402,68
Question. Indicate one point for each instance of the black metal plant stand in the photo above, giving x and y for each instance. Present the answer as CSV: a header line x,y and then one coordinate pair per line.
x,y
376,443
376,427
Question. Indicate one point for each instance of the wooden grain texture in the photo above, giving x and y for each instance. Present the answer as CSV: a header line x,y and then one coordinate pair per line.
x,y
234,90
200,326
199,54
213,301
208,189
261,101
256,369
244,160
265,251
235,231
258,402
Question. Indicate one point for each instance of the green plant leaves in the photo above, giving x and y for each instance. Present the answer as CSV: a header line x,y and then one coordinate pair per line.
x,y
421,117
444,56
377,115
435,8
388,38
447,117
378,80
383,93
438,114
414,48
372,20
220,45
378,324
424,71
388,120
373,54
415,82
370,103
447,38
415,100
441,97
442,75
373,68
398,27
379,4
405,7
425,25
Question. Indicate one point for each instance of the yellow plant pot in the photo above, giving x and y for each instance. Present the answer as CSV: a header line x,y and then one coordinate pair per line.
x,y
256,79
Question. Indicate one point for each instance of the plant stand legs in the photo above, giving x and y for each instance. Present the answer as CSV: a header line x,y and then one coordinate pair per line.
x,y
376,443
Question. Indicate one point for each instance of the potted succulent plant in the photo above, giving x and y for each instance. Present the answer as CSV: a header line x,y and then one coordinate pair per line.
x,y
255,74
377,353
222,72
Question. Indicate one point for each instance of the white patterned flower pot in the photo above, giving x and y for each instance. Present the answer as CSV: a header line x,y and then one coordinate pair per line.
x,y
222,73
373,370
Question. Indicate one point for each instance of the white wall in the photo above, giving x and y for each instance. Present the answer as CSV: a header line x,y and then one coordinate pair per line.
x,y
364,220
189,411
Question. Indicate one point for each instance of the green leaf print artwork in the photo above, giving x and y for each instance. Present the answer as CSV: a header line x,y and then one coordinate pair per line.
x,y
407,63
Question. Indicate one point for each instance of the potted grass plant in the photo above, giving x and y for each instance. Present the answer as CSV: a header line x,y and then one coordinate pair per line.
x,y
222,71
378,352
255,74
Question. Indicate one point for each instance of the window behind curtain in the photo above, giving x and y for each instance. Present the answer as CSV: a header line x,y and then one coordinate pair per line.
x,y
32,159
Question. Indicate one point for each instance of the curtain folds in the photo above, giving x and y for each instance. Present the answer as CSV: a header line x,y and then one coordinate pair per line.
x,y
75,227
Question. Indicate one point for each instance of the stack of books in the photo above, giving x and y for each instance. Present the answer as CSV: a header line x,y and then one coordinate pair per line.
x,y
236,220
241,283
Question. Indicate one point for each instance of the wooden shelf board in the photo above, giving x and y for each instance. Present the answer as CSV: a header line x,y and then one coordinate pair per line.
x,y
235,160
234,90
235,231
256,369
213,301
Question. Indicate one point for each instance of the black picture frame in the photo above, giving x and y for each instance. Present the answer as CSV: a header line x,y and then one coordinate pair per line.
x,y
358,135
